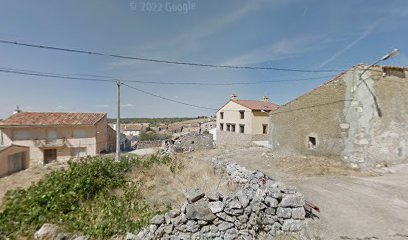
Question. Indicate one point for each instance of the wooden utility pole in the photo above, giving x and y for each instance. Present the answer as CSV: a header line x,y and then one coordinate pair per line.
x,y
117,158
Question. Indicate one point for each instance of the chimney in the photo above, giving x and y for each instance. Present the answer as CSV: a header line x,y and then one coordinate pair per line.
x,y
265,99
234,97
18,110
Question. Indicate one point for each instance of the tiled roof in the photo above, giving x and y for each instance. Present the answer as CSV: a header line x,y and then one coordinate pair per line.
x,y
52,118
133,127
257,105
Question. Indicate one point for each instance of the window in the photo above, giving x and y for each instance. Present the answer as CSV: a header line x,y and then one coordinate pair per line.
x,y
241,114
221,126
21,135
222,115
241,128
50,155
51,136
312,143
79,133
232,127
228,127
264,128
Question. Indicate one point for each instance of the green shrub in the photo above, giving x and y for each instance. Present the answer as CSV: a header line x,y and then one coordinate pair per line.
x,y
93,196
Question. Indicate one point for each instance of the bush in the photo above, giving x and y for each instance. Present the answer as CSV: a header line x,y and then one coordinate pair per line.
x,y
93,197
151,136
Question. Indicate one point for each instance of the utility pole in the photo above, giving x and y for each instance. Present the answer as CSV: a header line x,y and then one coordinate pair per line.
x,y
117,158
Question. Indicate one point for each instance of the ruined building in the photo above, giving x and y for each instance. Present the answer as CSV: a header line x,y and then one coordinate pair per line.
x,y
360,116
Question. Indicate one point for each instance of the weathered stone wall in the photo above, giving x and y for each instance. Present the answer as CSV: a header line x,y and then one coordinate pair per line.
x,y
378,132
361,122
316,114
188,143
148,144
262,208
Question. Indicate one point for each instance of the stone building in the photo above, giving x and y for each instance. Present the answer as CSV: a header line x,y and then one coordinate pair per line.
x,y
239,122
57,135
360,116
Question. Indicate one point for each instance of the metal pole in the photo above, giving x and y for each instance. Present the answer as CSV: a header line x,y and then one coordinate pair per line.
x,y
117,158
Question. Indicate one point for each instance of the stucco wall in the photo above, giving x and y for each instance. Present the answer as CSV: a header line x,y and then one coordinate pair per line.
x,y
232,115
362,124
378,132
5,153
66,138
317,114
253,121
258,120
233,138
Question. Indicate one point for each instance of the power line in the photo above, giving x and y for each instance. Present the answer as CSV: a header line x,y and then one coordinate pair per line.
x,y
160,60
53,76
112,79
167,99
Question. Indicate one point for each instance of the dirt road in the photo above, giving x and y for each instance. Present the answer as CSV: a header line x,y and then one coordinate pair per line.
x,y
354,205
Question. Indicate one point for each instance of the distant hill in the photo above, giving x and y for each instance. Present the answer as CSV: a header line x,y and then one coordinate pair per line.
x,y
155,121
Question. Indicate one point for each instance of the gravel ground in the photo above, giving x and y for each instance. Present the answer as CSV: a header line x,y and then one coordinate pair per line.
x,y
354,204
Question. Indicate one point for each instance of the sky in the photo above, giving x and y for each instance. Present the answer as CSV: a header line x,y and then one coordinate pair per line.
x,y
298,34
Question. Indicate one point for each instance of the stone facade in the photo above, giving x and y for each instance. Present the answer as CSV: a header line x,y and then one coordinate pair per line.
x,y
341,118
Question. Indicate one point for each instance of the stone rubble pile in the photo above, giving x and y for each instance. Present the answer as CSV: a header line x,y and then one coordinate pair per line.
x,y
263,207
187,143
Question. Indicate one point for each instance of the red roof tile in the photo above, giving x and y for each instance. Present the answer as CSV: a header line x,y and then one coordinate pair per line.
x,y
52,118
257,105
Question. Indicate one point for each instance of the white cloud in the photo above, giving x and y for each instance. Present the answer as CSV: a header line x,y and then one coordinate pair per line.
x,y
103,106
181,42
127,105
283,49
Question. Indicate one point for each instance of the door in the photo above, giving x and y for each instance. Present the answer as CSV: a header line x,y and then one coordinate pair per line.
x,y
50,155
15,162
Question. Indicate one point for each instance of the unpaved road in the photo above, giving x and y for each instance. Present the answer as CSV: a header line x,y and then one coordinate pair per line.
x,y
352,207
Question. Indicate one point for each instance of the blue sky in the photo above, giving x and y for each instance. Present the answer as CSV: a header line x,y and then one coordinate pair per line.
x,y
303,34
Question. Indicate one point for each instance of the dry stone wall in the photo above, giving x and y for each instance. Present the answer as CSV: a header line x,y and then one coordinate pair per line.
x,y
262,207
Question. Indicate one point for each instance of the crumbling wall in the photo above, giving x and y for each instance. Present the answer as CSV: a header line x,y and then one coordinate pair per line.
x,y
148,144
262,208
378,130
188,143
317,116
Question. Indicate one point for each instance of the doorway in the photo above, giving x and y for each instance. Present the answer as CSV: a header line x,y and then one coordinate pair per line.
x,y
50,155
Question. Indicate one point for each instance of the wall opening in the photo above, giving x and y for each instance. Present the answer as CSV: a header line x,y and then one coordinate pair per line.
x,y
222,115
241,114
264,128
312,143
241,128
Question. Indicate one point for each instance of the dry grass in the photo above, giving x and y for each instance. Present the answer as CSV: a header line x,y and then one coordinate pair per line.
x,y
26,178
165,189
317,166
